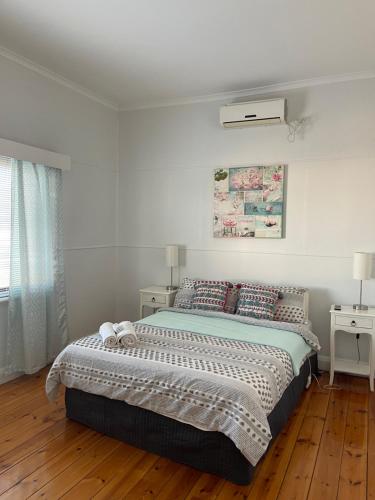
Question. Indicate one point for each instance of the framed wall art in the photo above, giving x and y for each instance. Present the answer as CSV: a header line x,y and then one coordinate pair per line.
x,y
249,202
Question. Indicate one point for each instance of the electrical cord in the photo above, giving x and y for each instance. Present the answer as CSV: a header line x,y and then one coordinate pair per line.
x,y
328,387
322,388
294,127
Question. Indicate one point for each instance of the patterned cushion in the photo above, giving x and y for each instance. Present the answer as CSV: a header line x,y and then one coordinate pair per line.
x,y
185,294
210,295
232,299
290,307
257,301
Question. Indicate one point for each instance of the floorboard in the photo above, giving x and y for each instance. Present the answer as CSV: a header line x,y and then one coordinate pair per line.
x,y
326,451
371,449
271,473
353,471
326,475
297,479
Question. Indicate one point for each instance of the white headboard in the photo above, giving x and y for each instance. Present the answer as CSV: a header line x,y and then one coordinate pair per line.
x,y
306,298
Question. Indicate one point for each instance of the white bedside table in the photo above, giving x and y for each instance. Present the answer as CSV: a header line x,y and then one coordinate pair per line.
x,y
350,321
155,297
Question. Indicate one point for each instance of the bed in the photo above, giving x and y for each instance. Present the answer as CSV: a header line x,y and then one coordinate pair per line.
x,y
206,389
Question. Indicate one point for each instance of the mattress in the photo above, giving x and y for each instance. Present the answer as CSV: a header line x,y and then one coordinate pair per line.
x,y
215,372
211,452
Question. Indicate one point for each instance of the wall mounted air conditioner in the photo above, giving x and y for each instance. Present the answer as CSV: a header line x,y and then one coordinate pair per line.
x,y
244,114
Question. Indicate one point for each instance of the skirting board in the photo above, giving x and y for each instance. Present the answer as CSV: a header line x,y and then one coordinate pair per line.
x,y
323,363
8,378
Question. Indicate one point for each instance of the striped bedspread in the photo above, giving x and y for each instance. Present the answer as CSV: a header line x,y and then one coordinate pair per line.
x,y
212,383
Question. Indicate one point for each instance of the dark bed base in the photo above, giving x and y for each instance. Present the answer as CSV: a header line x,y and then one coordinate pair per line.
x,y
210,452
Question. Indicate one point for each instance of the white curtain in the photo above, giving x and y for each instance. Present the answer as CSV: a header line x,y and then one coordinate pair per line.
x,y
37,317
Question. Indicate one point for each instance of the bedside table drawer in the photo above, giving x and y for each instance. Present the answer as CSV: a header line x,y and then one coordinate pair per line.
x,y
155,298
353,322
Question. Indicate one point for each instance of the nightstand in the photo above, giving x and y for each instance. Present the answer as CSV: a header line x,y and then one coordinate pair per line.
x,y
353,322
155,297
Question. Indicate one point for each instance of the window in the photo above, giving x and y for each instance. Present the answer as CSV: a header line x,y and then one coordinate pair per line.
x,y
5,213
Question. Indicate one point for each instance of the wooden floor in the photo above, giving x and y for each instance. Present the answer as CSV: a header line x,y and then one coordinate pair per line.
x,y
326,451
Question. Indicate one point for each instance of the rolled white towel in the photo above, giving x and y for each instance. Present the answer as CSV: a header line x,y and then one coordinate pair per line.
x,y
108,334
126,335
117,328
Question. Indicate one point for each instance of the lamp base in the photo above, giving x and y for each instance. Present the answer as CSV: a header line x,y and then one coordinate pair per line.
x,y
169,287
360,307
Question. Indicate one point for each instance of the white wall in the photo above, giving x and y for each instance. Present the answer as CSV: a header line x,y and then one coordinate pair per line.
x,y
167,156
42,113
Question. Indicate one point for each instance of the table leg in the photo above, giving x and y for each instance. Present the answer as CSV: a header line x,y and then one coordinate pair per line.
x,y
332,353
371,362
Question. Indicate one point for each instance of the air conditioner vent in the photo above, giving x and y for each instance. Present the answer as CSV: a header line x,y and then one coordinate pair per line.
x,y
245,114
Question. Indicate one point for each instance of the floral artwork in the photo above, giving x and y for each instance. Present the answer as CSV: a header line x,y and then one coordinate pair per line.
x,y
245,179
273,183
248,202
229,203
268,226
253,196
263,208
221,180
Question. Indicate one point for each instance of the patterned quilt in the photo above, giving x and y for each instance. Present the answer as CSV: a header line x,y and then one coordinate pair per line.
x,y
212,383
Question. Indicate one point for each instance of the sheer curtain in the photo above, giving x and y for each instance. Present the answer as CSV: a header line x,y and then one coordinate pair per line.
x,y
37,318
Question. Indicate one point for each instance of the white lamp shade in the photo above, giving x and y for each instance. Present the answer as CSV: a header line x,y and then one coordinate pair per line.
x,y
171,255
362,265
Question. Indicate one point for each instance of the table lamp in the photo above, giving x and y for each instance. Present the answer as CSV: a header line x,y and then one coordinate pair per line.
x,y
362,267
171,257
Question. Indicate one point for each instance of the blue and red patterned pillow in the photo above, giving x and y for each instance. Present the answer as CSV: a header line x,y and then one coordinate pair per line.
x,y
210,295
289,306
257,301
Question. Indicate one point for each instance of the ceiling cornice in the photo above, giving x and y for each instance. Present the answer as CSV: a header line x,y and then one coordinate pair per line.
x,y
220,96
51,75
266,89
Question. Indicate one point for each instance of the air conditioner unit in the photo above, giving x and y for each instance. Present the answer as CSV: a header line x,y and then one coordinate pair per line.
x,y
244,114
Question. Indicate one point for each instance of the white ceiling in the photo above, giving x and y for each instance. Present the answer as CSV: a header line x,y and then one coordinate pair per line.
x,y
140,52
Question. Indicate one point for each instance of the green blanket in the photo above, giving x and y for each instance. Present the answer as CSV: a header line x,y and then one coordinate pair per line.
x,y
290,342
